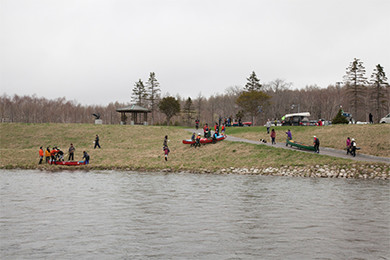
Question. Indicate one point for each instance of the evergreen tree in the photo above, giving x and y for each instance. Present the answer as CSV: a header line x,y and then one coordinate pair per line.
x,y
378,91
139,93
253,83
339,118
355,81
170,107
153,88
188,110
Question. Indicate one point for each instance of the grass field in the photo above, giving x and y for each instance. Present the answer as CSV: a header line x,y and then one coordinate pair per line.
x,y
373,139
140,147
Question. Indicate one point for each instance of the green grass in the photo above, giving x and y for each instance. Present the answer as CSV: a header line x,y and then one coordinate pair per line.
x,y
372,139
140,147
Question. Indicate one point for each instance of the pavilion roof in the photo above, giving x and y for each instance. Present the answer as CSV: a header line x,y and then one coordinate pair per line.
x,y
132,108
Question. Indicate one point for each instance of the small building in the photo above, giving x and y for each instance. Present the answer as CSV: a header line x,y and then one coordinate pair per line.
x,y
138,115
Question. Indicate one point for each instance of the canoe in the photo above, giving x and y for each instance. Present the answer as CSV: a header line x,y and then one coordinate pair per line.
x,y
204,140
70,163
299,145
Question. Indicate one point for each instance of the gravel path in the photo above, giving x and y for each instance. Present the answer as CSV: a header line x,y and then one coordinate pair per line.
x,y
323,150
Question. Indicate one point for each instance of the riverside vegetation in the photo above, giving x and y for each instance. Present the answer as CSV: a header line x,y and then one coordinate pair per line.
x,y
139,148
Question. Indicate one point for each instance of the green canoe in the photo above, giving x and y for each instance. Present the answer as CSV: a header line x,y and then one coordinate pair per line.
x,y
299,145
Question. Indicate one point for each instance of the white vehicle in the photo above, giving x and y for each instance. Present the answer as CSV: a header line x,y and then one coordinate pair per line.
x,y
385,119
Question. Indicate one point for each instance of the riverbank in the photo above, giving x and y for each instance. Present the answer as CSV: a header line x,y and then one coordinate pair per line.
x,y
139,148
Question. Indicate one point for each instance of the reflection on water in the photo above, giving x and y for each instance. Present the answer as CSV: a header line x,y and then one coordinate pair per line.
x,y
111,215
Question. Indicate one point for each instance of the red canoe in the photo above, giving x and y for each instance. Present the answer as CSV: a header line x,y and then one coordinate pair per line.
x,y
205,140
73,163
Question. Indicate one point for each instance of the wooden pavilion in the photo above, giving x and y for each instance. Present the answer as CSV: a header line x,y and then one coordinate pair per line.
x,y
138,115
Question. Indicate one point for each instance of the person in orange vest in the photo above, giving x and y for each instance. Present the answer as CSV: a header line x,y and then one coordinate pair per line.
x,y
40,155
216,128
53,154
47,154
223,129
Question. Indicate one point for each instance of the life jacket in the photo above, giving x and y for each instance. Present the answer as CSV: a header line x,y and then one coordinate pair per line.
x,y
53,152
47,153
40,152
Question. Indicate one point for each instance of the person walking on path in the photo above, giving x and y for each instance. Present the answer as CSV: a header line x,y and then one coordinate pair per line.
x,y
165,143
353,147
316,144
71,152
40,155
348,143
273,136
370,118
268,125
97,142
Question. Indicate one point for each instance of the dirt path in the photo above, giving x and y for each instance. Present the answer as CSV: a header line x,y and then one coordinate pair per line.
x,y
323,150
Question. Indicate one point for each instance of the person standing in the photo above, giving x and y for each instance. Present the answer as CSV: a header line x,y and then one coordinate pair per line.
x,y
47,155
273,136
97,142
40,155
316,144
268,125
205,130
370,118
71,152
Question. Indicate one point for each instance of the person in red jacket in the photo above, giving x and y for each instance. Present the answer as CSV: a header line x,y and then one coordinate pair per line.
x,y
273,136
205,130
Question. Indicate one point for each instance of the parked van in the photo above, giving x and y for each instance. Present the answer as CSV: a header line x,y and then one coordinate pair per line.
x,y
385,119
296,119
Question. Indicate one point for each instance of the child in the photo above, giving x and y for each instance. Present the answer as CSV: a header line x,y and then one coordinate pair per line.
x,y
273,136
166,152
197,140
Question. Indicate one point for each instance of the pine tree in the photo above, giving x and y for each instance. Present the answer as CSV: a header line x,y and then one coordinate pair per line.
x,y
188,110
253,83
378,90
355,81
339,118
153,88
139,93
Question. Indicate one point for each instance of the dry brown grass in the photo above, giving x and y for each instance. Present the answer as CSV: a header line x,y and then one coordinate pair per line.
x,y
140,147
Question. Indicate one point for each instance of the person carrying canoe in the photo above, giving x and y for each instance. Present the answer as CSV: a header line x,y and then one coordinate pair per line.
x,y
289,135
71,152
353,147
316,144
40,155
86,157
197,140
205,130
53,154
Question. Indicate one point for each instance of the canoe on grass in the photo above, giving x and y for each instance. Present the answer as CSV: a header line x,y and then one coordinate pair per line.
x,y
204,140
299,145
70,163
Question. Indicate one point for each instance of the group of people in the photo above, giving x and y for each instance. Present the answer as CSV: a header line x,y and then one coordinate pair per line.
x,y
351,146
56,154
217,130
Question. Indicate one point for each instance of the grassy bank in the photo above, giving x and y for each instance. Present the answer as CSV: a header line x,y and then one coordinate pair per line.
x,y
373,139
140,148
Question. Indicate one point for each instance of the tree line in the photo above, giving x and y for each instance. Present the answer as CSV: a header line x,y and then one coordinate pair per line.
x,y
255,102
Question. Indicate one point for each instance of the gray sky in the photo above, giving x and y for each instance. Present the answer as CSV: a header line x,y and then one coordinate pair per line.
x,y
94,51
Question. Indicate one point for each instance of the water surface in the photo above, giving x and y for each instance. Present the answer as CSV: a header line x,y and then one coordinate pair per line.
x,y
128,215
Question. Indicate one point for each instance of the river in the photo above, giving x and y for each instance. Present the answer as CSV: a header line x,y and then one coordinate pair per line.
x,y
130,215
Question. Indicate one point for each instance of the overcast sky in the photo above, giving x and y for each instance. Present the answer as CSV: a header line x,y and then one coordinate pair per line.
x,y
94,51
